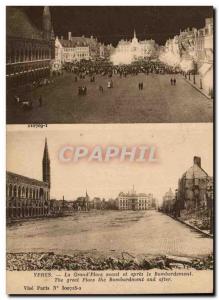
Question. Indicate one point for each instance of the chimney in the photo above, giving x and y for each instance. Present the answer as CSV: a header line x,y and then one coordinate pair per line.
x,y
69,35
197,161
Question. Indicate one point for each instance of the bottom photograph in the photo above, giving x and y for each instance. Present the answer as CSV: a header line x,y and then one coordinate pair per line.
x,y
108,209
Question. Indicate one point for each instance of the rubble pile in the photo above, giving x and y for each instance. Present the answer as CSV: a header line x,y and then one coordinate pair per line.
x,y
51,261
199,219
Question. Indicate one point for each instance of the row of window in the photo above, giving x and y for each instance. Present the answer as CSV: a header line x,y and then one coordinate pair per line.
x,y
25,192
79,55
76,49
139,200
22,55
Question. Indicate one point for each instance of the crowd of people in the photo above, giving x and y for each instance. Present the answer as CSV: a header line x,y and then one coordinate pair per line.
x,y
87,69
90,69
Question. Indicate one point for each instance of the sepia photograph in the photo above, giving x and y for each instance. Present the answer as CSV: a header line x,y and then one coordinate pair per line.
x,y
110,174
109,64
133,202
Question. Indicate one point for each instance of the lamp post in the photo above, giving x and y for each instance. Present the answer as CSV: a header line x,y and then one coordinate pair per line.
x,y
194,78
177,204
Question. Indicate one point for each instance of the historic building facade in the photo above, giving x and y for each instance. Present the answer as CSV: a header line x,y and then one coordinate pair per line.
x,y
204,55
168,203
134,201
192,51
82,203
29,50
27,197
128,51
195,187
78,48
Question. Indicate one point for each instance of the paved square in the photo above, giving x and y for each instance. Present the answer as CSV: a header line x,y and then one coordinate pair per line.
x,y
158,102
139,232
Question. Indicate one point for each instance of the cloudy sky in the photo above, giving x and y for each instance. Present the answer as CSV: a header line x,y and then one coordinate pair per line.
x,y
110,24
176,145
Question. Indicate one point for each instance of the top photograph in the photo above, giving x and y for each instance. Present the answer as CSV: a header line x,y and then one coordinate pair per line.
x,y
109,64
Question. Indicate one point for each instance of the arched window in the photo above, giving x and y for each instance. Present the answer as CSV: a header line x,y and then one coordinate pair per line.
x,y
15,191
23,192
7,190
22,58
30,54
30,194
26,54
10,191
27,192
19,192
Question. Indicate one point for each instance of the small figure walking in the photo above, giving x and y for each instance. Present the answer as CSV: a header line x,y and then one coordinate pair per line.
x,y
174,81
171,81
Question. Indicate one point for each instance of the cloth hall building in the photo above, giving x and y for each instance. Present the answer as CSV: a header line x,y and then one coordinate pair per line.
x,y
27,197
29,50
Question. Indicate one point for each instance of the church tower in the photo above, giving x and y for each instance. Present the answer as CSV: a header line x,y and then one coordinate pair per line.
x,y
47,23
46,164
134,39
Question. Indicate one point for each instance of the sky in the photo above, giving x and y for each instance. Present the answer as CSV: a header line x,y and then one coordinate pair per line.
x,y
113,23
175,147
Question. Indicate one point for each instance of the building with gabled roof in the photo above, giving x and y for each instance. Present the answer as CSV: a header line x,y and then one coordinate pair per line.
x,y
128,51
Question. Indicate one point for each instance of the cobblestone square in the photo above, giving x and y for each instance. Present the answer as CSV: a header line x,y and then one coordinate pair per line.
x,y
137,232
158,102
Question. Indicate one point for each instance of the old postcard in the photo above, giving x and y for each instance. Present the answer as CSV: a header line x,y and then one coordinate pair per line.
x,y
110,170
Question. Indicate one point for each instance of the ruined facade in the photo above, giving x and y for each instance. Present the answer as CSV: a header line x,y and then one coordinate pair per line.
x,y
194,187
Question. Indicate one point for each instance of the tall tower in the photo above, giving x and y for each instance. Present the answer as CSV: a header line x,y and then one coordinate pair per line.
x,y
134,40
47,24
46,164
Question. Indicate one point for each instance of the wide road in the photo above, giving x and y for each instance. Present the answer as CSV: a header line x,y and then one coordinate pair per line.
x,y
143,232
124,103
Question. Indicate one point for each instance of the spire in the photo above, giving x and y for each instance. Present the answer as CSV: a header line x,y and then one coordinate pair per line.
x,y
46,164
52,34
47,24
134,34
46,152
87,196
